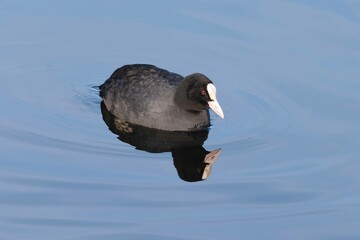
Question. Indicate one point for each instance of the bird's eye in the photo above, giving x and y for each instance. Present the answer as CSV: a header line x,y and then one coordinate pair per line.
x,y
203,93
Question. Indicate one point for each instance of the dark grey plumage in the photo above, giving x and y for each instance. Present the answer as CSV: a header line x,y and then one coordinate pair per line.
x,y
152,97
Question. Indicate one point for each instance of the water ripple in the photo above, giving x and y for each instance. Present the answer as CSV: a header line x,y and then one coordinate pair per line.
x,y
67,223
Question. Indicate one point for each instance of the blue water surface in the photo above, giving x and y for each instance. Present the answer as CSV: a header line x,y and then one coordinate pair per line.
x,y
288,80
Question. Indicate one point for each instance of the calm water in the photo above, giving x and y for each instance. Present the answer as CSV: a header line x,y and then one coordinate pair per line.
x,y
288,80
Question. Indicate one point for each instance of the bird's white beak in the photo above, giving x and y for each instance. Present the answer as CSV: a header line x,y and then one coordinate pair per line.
x,y
214,104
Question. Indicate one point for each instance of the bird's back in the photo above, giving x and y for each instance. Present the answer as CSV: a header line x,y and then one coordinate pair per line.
x,y
139,92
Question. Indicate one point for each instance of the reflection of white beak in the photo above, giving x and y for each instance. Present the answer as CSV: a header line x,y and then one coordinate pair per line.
x,y
214,104
210,159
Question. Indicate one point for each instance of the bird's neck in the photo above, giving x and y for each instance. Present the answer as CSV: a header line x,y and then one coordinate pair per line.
x,y
182,98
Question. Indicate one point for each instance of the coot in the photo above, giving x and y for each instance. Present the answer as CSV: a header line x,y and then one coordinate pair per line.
x,y
149,96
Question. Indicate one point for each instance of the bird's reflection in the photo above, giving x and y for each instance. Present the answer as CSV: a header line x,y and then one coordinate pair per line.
x,y
192,162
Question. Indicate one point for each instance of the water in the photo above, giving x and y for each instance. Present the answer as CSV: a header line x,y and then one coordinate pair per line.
x,y
287,74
